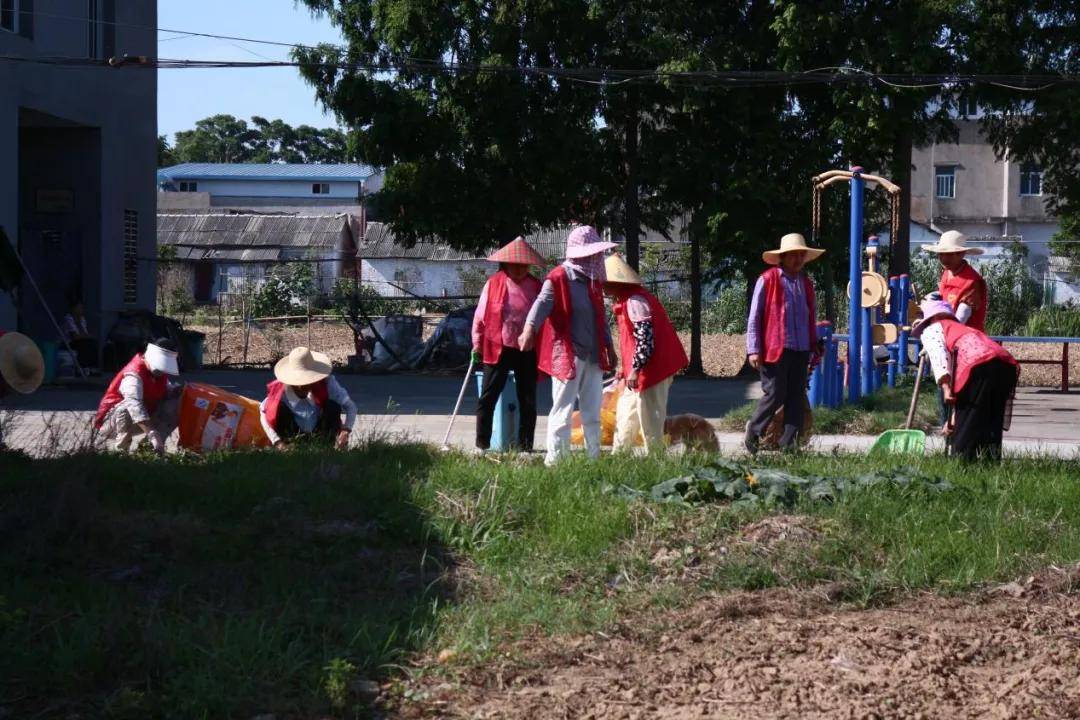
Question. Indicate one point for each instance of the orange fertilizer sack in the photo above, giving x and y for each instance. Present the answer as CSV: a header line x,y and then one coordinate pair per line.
x,y
214,419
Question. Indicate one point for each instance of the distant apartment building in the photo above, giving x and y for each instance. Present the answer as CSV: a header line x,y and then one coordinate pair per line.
x,y
260,185
78,149
963,186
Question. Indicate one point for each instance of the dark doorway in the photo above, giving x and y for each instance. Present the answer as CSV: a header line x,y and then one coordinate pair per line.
x,y
204,282
59,221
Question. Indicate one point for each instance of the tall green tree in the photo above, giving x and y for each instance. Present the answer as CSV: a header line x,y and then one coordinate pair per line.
x,y
226,139
866,121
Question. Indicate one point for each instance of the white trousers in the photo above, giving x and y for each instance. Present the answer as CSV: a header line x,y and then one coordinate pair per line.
x,y
642,414
587,387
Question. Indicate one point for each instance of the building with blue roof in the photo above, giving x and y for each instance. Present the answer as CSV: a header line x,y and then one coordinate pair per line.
x,y
272,184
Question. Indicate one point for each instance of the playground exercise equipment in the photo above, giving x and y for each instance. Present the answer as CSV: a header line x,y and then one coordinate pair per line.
x,y
880,309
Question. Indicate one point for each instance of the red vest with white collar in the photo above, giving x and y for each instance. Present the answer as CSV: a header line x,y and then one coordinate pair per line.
x,y
275,395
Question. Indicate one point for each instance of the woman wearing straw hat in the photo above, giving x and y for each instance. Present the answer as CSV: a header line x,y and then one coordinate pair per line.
x,y
500,317
574,344
961,285
22,368
140,398
978,378
781,334
650,353
305,401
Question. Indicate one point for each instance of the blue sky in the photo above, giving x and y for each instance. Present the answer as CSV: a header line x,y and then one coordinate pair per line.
x,y
185,96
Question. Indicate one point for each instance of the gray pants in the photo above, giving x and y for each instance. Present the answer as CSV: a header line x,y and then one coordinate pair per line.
x,y
783,384
121,429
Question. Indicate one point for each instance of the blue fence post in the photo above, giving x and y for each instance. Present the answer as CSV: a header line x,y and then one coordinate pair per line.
x,y
841,373
893,349
855,280
893,315
828,363
905,292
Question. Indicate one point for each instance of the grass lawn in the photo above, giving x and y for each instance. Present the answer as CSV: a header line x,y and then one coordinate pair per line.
x,y
884,410
132,587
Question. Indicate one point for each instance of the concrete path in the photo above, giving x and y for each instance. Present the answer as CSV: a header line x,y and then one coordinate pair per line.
x,y
417,407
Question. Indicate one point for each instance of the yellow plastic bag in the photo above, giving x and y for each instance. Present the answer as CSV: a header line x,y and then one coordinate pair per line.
x,y
612,393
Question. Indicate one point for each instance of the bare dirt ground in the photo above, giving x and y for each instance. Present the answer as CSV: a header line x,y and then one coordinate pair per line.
x,y
1011,651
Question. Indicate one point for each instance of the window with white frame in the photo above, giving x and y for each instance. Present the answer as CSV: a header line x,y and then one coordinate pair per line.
x,y
189,186
9,15
945,181
320,188
1030,180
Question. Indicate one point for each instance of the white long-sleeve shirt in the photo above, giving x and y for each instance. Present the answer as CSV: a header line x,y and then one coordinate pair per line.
x,y
131,390
933,341
306,412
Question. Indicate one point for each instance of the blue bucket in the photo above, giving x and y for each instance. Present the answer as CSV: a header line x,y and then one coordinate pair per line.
x,y
504,426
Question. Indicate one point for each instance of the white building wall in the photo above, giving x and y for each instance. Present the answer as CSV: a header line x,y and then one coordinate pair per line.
x,y
277,188
428,278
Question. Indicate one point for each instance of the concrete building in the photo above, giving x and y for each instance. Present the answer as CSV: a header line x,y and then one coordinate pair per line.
x,y
255,185
78,150
963,186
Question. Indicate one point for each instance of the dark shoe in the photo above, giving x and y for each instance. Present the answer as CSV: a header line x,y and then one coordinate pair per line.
x,y
750,440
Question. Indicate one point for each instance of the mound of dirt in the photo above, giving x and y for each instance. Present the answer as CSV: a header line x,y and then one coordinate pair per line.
x,y
791,654
775,529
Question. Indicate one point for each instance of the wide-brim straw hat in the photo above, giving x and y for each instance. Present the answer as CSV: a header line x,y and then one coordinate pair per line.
x,y
518,252
791,242
619,271
303,367
21,364
584,241
161,360
931,310
952,241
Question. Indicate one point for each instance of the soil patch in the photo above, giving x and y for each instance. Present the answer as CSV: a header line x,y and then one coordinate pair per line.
x,y
1007,652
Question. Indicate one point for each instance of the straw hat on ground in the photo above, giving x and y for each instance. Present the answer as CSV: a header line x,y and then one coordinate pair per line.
x,y
21,364
792,242
619,271
518,252
161,357
303,367
952,241
584,241
931,310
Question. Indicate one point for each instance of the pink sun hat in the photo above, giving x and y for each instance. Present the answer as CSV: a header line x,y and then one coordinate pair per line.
x,y
931,310
584,241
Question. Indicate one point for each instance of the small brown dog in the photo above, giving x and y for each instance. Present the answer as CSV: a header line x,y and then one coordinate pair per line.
x,y
693,431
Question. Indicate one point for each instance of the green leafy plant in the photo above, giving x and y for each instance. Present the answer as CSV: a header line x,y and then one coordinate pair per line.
x,y
1058,320
337,674
287,289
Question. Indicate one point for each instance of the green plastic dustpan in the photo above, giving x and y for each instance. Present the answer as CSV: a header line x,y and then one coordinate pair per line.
x,y
900,442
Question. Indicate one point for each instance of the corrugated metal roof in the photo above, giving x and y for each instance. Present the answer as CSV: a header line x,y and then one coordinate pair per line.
x,y
342,172
249,237
379,243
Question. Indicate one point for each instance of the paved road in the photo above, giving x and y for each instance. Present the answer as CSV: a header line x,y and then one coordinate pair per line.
x,y
418,407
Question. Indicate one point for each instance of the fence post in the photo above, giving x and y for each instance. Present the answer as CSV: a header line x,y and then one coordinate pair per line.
x,y
309,323
220,330
1065,367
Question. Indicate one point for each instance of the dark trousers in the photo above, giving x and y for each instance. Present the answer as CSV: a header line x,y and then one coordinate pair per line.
x,y
325,432
524,366
784,385
980,411
85,350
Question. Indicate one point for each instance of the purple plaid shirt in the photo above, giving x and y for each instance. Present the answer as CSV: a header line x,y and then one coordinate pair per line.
x,y
796,318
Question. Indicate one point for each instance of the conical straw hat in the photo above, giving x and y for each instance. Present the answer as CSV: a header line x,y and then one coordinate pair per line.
x,y
303,367
21,364
619,271
791,243
518,252
952,241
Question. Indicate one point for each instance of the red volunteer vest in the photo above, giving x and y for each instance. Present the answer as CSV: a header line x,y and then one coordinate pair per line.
x,y
966,286
668,355
154,389
774,331
555,344
275,393
492,344
971,348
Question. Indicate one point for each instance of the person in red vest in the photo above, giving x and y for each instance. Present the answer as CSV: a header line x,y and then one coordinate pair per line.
x,y
568,325
961,285
140,398
781,335
650,353
500,317
306,402
977,376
